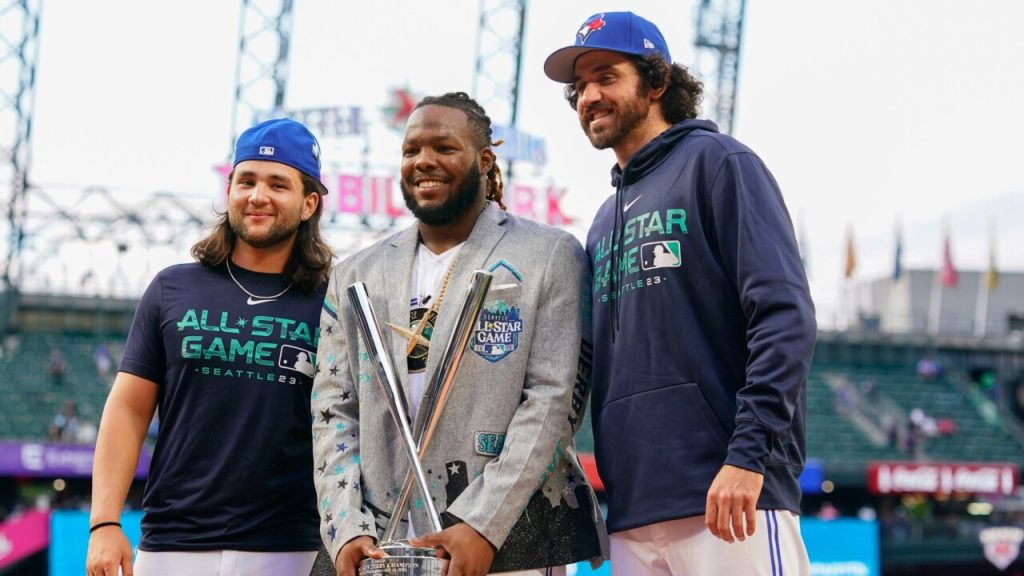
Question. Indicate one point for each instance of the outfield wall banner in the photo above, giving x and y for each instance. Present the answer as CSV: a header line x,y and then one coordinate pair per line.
x,y
33,459
69,544
23,535
842,547
69,539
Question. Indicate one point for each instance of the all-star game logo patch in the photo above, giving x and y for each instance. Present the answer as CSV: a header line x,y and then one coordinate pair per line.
x,y
497,331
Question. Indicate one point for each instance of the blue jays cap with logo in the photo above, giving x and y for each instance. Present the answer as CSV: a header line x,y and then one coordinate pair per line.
x,y
280,140
622,32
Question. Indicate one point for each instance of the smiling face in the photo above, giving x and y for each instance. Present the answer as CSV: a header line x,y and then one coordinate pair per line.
x,y
266,203
442,166
613,104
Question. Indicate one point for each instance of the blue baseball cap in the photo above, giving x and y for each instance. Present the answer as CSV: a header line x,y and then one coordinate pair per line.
x,y
280,140
622,32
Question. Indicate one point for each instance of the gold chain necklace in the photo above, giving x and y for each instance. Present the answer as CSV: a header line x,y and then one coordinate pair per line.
x,y
415,337
251,295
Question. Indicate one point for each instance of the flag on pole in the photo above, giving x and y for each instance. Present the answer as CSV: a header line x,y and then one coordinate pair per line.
x,y
949,276
851,256
991,275
897,267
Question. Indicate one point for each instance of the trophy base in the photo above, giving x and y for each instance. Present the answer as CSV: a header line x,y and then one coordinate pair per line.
x,y
403,560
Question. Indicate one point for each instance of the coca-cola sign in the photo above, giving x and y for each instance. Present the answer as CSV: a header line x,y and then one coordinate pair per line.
x,y
942,478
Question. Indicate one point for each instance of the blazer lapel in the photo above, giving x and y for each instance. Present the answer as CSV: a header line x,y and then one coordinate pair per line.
x,y
473,256
396,269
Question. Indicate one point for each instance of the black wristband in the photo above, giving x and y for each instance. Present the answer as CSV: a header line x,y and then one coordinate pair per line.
x,y
102,524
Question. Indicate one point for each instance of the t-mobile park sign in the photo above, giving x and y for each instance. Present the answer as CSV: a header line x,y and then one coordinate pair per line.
x,y
942,478
380,196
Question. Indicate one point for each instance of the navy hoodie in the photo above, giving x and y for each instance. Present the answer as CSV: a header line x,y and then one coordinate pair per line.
x,y
704,335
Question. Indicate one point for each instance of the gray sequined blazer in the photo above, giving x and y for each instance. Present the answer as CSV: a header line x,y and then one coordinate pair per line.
x,y
502,458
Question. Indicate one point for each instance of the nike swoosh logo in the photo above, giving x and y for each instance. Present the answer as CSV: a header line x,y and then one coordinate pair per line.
x,y
628,204
252,302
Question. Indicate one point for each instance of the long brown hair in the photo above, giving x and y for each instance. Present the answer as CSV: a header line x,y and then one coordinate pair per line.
x,y
683,93
309,264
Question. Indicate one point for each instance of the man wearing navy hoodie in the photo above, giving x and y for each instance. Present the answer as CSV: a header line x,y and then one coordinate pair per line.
x,y
703,323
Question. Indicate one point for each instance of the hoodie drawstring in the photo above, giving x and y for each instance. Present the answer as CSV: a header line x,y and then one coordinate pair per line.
x,y
646,159
618,229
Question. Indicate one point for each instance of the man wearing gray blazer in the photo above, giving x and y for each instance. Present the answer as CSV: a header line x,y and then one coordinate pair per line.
x,y
502,465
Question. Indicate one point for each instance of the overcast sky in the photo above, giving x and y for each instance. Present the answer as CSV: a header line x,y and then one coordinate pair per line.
x,y
866,112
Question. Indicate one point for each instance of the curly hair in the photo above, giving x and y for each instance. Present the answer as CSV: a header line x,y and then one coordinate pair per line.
x,y
683,93
309,264
480,124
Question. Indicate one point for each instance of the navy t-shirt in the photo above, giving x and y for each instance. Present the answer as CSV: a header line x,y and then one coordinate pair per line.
x,y
233,464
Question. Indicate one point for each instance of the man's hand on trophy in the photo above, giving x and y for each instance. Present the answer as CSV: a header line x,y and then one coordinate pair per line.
x,y
355,551
469,553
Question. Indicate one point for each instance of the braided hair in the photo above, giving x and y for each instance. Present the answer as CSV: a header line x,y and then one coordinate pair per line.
x,y
480,123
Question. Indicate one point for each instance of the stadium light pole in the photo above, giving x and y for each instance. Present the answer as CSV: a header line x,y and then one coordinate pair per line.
x,y
261,75
19,51
718,39
499,60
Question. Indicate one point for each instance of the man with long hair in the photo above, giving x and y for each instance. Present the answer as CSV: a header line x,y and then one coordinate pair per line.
x,y
502,462
222,348
703,323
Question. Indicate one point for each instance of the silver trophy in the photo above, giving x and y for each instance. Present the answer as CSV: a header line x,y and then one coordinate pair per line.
x,y
403,559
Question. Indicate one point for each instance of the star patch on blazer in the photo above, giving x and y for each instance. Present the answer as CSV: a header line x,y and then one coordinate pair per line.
x,y
497,331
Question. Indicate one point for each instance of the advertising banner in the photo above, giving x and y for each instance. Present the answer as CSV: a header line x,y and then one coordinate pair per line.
x,y
378,196
23,535
942,478
70,543
69,539
812,476
842,547
33,459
